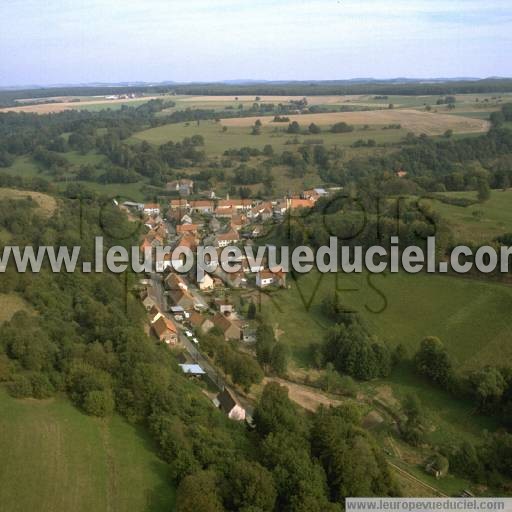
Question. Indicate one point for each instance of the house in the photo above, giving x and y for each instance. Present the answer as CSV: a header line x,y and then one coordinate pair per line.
x,y
181,298
224,306
192,369
229,404
314,194
152,222
202,206
136,206
293,203
186,219
238,221
175,282
225,239
151,209
236,204
184,186
231,279
154,314
165,330
266,278
200,323
179,204
230,328
163,263
189,241
205,282
187,228
401,173
149,298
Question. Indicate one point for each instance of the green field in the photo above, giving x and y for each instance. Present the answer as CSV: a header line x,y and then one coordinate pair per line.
x,y
54,458
217,141
480,222
471,317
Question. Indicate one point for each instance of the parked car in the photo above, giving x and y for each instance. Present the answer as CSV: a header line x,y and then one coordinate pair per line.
x,y
188,334
196,341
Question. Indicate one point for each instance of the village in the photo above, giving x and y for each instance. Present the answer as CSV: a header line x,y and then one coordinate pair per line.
x,y
182,306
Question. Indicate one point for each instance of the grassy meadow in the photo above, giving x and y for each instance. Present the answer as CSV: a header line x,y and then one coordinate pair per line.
x,y
54,458
471,317
217,140
479,222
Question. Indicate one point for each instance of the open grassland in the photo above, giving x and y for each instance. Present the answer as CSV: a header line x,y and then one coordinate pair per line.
x,y
471,317
11,303
54,458
46,203
412,120
480,222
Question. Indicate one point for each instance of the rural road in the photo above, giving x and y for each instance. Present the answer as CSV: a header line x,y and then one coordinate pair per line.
x,y
191,347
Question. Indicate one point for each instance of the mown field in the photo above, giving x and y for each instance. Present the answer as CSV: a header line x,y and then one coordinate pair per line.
x,y
471,317
55,458
412,120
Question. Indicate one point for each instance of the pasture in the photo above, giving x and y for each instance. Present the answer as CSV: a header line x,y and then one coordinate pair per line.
x,y
480,222
471,317
56,458
217,140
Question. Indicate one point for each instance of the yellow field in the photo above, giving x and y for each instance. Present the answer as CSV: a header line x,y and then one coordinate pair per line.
x,y
51,108
47,204
412,120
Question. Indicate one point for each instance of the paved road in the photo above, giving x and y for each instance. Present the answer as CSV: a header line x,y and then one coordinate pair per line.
x,y
190,346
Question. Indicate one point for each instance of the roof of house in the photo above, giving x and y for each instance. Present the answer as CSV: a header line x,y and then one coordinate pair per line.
x,y
233,203
176,203
151,206
186,228
301,203
201,203
193,369
229,235
177,295
174,281
227,400
162,325
188,240
223,323
154,310
196,319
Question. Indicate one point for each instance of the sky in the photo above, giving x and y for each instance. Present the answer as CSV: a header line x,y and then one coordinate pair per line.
x,y
78,41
